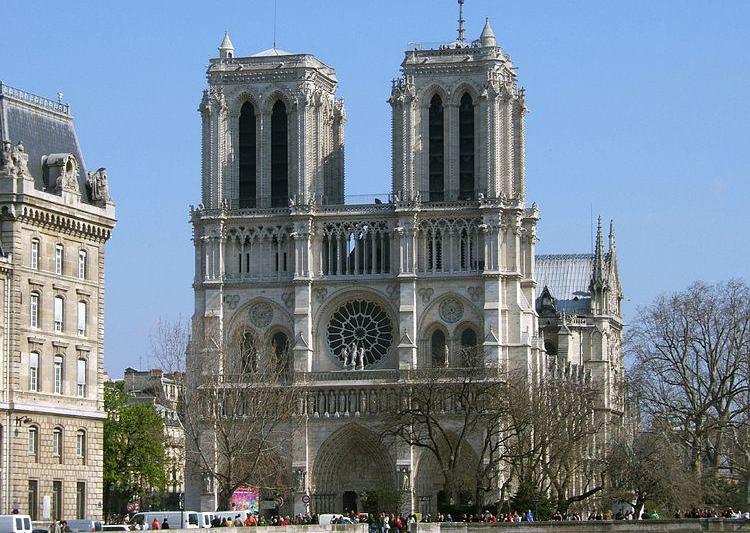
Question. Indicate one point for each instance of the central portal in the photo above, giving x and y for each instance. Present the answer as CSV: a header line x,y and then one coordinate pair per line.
x,y
352,461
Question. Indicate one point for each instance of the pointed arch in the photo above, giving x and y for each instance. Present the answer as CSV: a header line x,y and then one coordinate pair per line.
x,y
436,148
351,459
247,145
279,154
466,148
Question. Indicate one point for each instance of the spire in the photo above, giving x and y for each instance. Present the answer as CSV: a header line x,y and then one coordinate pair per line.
x,y
611,236
599,256
461,21
487,38
226,48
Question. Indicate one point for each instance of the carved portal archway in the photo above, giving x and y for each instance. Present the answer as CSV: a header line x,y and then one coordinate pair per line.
x,y
429,480
350,462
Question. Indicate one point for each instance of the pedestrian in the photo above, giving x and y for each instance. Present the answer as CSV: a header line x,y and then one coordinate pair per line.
x,y
165,523
155,524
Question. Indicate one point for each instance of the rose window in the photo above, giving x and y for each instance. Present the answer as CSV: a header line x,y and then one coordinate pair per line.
x,y
362,325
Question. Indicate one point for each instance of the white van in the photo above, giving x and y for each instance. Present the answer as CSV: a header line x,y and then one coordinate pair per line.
x,y
15,523
232,514
205,519
177,519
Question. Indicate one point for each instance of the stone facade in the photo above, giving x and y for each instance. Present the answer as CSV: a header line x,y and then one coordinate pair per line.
x,y
56,219
445,264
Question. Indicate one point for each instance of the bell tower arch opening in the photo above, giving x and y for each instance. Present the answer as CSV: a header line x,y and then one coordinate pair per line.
x,y
466,143
436,131
279,155
247,162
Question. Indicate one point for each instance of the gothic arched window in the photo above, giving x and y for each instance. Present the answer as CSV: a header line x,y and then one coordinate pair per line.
x,y
279,160
466,148
437,150
248,353
437,348
280,347
247,155
470,353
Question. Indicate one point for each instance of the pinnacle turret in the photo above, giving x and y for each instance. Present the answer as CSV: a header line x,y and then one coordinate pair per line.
x,y
487,38
226,48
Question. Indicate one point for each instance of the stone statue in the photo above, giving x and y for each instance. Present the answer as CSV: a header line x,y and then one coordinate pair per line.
x,y
360,362
299,480
98,187
20,160
405,479
446,354
345,356
6,158
352,364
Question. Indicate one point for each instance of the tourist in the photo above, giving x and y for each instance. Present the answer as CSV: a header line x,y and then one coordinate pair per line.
x,y
237,522
155,524
165,523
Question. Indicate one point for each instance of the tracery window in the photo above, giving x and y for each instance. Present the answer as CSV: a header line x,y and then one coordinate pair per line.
x,y
279,156
359,325
436,150
466,148
247,156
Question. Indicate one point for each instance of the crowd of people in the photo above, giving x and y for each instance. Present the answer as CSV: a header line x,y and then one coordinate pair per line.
x,y
400,523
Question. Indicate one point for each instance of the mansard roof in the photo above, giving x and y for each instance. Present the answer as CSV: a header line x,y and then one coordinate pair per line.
x,y
43,126
567,276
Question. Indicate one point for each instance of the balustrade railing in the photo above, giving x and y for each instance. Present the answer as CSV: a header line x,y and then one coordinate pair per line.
x,y
7,90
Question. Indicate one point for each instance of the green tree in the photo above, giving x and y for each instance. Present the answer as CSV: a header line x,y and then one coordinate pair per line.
x,y
134,456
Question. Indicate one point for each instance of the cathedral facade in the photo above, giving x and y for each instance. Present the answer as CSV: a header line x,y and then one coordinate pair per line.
x,y
363,293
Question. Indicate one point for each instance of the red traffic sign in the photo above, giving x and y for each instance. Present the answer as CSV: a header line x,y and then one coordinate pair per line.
x,y
306,498
279,501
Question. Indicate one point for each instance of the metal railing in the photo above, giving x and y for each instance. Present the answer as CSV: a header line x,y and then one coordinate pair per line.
x,y
19,94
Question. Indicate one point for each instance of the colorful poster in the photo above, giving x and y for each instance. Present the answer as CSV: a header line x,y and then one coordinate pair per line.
x,y
245,499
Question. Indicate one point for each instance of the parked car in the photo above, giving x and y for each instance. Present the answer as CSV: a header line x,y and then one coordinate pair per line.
x,y
15,523
84,526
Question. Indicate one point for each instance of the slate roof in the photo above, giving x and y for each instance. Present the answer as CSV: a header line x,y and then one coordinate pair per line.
x,y
43,126
567,276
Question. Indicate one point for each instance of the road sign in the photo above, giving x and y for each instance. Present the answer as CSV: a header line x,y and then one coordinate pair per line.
x,y
279,501
306,498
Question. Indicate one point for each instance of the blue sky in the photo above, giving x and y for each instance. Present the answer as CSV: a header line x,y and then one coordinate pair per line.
x,y
639,109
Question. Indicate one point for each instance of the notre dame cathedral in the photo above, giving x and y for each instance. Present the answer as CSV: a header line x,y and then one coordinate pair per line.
x,y
362,293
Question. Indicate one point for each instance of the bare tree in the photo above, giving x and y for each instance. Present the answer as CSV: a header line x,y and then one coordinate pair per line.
x,y
648,466
556,449
441,411
238,406
239,417
691,363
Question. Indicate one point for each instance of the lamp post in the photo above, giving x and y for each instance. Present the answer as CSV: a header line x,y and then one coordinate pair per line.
x,y
182,507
